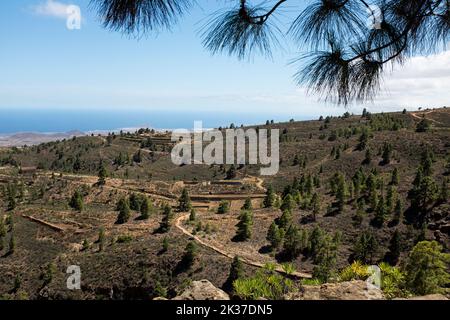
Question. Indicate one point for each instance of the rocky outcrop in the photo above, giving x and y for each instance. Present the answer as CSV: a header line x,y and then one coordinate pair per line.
x,y
350,290
202,290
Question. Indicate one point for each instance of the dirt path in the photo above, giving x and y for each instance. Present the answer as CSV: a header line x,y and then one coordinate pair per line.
x,y
419,115
179,224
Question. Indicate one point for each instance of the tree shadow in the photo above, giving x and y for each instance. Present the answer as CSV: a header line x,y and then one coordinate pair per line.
x,y
393,223
7,254
265,249
307,219
238,238
182,266
390,258
333,212
374,222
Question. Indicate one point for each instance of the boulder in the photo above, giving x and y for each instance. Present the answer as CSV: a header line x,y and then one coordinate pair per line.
x,y
349,290
202,290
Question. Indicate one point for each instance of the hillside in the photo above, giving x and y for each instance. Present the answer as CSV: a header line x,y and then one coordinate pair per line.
x,y
326,160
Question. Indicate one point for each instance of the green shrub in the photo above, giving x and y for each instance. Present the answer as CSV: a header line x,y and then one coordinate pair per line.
x,y
355,271
267,283
224,207
392,281
125,238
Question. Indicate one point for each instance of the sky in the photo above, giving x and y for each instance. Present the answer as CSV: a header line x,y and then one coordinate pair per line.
x,y
43,65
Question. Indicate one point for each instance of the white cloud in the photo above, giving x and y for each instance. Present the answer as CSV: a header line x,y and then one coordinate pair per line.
x,y
421,82
52,8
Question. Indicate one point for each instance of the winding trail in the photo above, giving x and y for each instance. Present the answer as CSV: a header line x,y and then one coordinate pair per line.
x,y
278,268
422,115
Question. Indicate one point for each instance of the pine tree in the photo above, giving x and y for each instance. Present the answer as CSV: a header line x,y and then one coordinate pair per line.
x,y
326,258
316,241
394,177
269,200
192,215
426,193
292,246
123,202
146,208
76,202
165,245
224,207
236,272
244,226
317,181
285,220
380,212
391,199
398,211
341,192
124,213
315,205
365,248
395,247
427,268
288,203
135,202
387,153
427,162
190,253
184,202
102,174
166,222
101,239
368,157
275,236
247,204
363,140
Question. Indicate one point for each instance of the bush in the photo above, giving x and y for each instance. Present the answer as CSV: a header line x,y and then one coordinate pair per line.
x,y
76,202
224,207
423,126
355,271
267,283
392,281
125,238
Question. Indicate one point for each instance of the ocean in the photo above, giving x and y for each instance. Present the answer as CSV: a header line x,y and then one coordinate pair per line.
x,y
51,120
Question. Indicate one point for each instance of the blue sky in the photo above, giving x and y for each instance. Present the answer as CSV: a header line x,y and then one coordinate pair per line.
x,y
44,65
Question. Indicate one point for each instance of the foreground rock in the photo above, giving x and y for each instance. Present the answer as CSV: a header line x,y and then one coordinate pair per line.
x,y
350,290
202,290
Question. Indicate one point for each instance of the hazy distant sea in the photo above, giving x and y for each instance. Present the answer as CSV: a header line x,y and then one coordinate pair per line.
x,y
44,121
